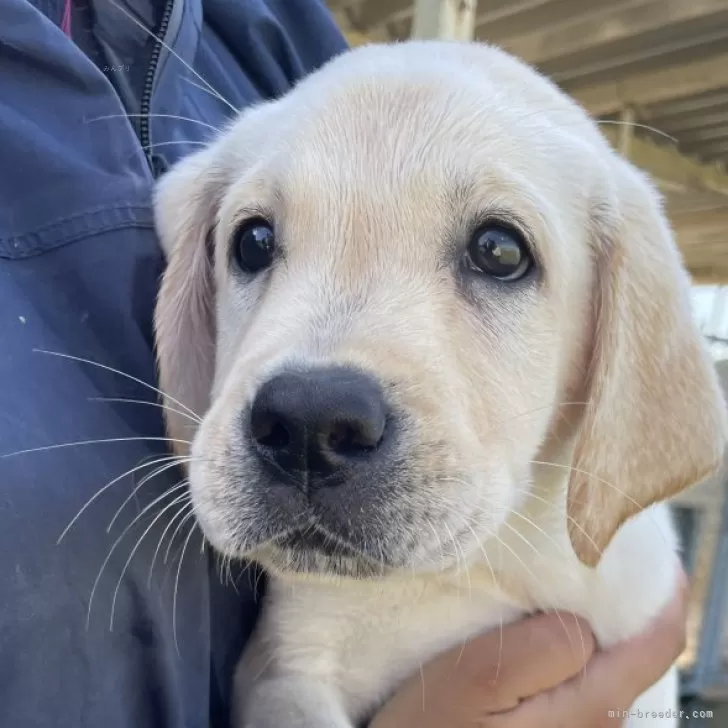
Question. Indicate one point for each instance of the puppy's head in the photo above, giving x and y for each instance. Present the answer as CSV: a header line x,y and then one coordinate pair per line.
x,y
383,292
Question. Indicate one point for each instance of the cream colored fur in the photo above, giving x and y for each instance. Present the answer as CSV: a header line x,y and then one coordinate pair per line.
x,y
372,170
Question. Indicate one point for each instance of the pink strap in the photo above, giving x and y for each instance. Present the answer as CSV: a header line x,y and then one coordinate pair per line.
x,y
66,19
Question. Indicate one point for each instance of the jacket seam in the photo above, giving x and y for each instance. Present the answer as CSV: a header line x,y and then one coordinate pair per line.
x,y
71,228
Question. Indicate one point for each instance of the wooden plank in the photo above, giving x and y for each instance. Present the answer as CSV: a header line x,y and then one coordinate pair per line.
x,y
695,121
373,13
711,276
711,150
654,87
702,223
608,27
669,165
699,136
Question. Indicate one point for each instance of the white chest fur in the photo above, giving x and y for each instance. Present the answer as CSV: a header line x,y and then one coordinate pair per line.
x,y
366,639
346,646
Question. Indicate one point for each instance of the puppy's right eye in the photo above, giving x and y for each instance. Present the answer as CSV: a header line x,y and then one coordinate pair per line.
x,y
499,252
254,245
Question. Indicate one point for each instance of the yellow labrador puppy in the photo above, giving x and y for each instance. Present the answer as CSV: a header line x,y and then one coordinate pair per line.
x,y
441,337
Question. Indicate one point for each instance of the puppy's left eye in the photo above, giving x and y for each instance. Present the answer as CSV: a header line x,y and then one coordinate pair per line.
x,y
499,252
254,245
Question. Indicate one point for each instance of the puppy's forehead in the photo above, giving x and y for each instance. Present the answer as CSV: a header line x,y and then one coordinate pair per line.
x,y
409,128
413,142
399,124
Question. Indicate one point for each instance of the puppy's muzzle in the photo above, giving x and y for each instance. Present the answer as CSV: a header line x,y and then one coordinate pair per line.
x,y
327,467
320,426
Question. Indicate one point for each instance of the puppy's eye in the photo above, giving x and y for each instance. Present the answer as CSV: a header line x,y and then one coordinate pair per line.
x,y
499,252
254,245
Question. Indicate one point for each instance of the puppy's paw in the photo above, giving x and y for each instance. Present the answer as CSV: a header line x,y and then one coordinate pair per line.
x,y
292,702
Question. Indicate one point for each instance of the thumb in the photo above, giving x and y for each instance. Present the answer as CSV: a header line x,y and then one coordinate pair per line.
x,y
615,677
526,658
491,673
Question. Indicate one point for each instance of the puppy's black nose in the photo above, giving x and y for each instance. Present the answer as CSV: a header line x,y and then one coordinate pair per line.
x,y
319,421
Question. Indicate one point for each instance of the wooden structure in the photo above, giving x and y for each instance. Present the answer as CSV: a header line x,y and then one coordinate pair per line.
x,y
658,63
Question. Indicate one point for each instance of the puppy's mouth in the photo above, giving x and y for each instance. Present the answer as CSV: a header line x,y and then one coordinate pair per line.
x,y
312,551
316,540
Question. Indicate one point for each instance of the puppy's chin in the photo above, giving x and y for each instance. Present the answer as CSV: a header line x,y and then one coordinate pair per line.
x,y
311,554
289,563
298,561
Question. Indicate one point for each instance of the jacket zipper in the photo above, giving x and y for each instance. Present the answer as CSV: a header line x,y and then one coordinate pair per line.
x,y
146,100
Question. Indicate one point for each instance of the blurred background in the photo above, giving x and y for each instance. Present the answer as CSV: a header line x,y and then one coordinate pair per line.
x,y
656,72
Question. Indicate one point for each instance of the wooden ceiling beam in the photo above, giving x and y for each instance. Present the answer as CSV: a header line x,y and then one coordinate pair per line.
x,y
654,87
688,123
611,26
710,149
668,165
373,13
709,276
704,222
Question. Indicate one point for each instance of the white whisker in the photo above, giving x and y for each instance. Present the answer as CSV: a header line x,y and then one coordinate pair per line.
x,y
170,462
130,377
186,509
500,613
212,93
157,116
175,532
116,543
174,143
100,492
172,52
78,443
561,511
522,537
588,474
159,515
460,555
637,125
176,585
541,409
533,524
127,400
536,580
437,538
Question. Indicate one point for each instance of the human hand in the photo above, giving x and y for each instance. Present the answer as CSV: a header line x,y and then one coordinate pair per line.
x,y
542,672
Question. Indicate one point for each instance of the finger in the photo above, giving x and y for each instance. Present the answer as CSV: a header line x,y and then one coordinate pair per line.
x,y
614,679
491,673
523,659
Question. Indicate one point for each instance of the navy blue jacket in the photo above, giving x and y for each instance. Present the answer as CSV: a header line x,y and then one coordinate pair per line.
x,y
86,124
53,98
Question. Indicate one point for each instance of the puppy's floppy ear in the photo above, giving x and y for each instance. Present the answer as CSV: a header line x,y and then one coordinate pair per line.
x,y
186,203
655,422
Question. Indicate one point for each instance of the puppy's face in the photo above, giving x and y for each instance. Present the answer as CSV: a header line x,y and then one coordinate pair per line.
x,y
414,261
